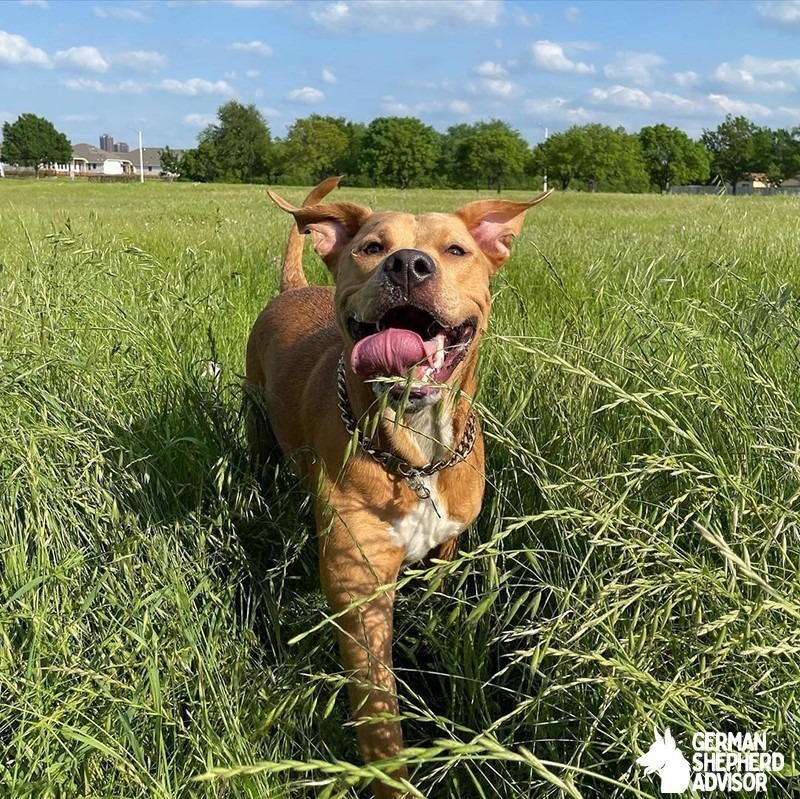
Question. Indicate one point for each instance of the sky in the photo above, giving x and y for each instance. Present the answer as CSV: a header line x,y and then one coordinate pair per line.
x,y
165,67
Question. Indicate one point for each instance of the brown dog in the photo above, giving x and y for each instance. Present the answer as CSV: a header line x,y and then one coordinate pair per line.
x,y
386,358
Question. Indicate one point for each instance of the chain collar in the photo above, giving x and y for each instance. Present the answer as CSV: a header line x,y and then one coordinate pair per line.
x,y
411,474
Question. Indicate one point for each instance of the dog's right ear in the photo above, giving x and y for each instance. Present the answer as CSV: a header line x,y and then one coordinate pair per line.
x,y
332,225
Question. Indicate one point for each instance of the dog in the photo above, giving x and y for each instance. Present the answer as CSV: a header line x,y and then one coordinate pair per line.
x,y
665,759
367,387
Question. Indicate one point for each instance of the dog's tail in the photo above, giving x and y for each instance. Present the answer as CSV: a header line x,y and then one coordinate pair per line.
x,y
292,275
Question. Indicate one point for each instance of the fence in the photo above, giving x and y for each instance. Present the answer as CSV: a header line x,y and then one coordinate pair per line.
x,y
728,189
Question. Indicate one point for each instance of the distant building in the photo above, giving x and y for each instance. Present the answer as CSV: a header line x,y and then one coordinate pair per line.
x,y
121,147
107,143
89,160
151,159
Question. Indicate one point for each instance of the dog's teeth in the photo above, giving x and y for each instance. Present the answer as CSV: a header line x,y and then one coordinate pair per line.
x,y
438,356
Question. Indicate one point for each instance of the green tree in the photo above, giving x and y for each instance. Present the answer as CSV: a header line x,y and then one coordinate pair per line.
x,y
733,148
200,163
400,151
170,162
671,157
595,157
491,153
317,146
34,142
239,143
449,168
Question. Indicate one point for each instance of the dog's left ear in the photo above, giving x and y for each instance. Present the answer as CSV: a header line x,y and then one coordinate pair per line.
x,y
494,223
331,225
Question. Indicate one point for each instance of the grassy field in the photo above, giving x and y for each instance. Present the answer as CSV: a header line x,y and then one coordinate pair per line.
x,y
637,560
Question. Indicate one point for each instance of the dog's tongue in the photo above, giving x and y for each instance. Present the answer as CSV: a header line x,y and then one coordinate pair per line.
x,y
391,352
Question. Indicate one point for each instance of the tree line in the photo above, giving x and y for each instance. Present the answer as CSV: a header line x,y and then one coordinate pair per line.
x,y
404,152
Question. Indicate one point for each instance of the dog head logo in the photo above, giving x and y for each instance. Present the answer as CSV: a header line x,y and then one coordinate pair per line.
x,y
665,759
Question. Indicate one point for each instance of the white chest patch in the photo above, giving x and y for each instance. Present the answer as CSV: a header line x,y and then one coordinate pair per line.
x,y
422,529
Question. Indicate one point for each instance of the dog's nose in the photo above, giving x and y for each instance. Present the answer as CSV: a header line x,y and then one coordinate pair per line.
x,y
409,268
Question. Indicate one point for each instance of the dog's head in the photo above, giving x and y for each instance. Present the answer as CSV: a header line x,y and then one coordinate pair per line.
x,y
412,292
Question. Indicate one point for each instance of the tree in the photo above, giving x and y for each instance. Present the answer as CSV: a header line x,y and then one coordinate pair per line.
x,y
169,161
400,151
317,146
596,156
491,153
733,148
671,157
448,167
33,141
199,164
239,144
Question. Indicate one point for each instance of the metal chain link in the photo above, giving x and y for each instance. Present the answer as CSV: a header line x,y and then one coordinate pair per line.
x,y
392,463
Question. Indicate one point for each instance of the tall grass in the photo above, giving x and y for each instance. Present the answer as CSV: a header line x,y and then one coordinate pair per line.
x,y
637,560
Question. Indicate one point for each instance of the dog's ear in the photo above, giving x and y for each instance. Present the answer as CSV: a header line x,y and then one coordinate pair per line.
x,y
494,223
331,225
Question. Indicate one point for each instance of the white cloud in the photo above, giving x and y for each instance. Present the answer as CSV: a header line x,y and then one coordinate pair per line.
x,y
525,20
633,67
397,16
195,86
255,47
622,96
780,13
199,120
88,58
141,60
640,100
120,12
229,76
490,69
328,76
306,95
37,3
549,107
80,118
728,105
258,3
759,74
252,73
500,88
392,106
551,56
87,85
572,14
685,79
15,49
270,113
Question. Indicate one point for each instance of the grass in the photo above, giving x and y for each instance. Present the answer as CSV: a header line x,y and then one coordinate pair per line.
x,y
637,560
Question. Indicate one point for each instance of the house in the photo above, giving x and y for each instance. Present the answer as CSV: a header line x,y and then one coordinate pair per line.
x,y
90,160
754,180
151,159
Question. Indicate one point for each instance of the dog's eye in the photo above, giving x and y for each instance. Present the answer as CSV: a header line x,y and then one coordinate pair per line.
x,y
373,248
454,249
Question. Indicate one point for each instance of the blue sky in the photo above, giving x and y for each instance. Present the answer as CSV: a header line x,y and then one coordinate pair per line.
x,y
165,67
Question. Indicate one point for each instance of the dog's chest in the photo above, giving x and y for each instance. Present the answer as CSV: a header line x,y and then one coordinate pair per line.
x,y
425,526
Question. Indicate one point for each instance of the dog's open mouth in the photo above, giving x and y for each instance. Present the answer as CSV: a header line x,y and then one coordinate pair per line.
x,y
408,342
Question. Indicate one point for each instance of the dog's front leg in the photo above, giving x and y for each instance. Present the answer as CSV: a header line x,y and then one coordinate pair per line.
x,y
359,567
